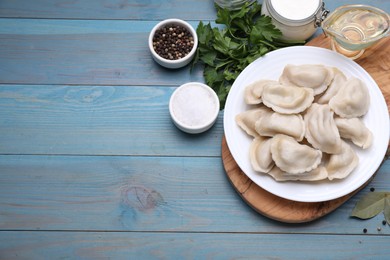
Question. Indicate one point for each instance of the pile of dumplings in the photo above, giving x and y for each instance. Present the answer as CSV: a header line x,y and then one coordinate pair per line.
x,y
304,124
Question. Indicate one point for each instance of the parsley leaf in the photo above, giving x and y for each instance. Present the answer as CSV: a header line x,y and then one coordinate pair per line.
x,y
227,51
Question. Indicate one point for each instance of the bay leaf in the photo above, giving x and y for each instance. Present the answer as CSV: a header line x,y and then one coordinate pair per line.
x,y
387,208
370,205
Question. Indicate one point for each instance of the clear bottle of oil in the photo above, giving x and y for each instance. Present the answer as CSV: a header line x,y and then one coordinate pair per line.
x,y
354,28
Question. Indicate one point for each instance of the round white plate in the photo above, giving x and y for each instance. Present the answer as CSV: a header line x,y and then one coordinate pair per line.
x,y
271,66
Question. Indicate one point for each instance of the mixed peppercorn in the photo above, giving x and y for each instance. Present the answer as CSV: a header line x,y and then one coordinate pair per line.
x,y
173,42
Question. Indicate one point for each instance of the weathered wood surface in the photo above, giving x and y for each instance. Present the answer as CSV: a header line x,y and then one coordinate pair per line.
x,y
130,9
96,120
91,165
113,9
138,193
49,51
151,245
41,51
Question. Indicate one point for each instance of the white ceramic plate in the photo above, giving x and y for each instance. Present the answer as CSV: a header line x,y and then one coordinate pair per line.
x,y
270,67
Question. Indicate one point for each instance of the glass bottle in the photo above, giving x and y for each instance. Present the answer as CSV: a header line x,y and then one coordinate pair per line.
x,y
353,28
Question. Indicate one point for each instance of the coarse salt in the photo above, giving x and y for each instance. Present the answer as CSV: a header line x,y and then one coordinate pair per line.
x,y
194,107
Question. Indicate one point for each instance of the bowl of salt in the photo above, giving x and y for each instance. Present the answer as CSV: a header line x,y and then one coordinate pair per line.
x,y
194,107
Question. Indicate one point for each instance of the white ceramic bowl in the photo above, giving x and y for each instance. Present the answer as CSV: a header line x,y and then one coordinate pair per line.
x,y
194,107
173,64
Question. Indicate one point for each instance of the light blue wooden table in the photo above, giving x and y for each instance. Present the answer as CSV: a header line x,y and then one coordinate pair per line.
x,y
92,167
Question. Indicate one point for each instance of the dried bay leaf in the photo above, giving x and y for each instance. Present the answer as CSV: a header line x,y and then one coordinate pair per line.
x,y
387,208
370,205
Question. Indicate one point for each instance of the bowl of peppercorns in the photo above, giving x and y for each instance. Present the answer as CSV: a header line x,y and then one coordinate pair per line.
x,y
173,43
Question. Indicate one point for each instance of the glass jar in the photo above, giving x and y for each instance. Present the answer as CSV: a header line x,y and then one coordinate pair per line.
x,y
298,19
232,4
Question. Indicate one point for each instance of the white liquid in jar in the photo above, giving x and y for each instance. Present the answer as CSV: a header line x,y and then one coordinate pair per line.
x,y
194,106
295,9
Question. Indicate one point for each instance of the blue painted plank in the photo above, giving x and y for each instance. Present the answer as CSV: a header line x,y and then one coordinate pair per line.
x,y
110,52
101,9
135,245
83,52
174,205
135,193
96,120
134,10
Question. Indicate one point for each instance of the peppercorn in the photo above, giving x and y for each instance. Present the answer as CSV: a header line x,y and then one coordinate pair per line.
x,y
173,42
372,189
384,222
365,230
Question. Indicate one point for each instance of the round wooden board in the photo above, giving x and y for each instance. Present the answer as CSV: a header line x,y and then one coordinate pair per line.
x,y
375,61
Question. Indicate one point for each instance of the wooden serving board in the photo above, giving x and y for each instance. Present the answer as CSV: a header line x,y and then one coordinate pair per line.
x,y
376,61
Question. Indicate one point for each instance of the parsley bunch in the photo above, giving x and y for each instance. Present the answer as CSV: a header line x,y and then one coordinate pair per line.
x,y
246,36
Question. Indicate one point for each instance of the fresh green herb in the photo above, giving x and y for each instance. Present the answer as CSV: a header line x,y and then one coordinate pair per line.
x,y
372,204
225,52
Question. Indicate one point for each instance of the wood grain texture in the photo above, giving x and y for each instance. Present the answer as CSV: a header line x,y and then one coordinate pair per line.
x,y
130,9
103,9
83,52
96,120
91,166
138,245
146,194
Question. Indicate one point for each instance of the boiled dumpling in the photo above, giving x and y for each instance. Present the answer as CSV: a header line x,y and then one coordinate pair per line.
x,y
321,129
260,154
316,77
253,91
341,165
274,123
353,100
338,82
292,157
316,174
247,119
287,99
354,130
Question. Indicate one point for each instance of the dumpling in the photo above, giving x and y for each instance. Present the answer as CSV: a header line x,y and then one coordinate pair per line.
x,y
287,99
338,82
321,130
316,174
314,76
353,100
274,123
341,165
260,154
247,119
292,157
354,130
253,91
